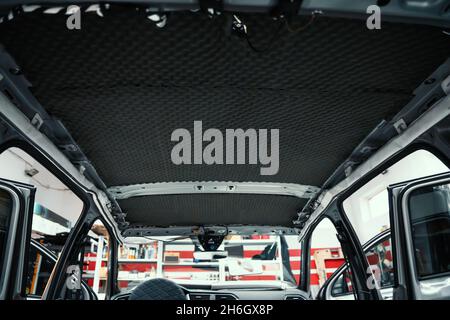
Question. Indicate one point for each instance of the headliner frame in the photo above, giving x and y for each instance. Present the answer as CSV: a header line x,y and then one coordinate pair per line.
x,y
167,188
192,230
211,187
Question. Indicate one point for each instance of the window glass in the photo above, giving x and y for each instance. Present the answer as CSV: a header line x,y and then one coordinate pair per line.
x,y
380,261
326,255
6,206
368,207
258,258
430,227
343,285
96,259
40,266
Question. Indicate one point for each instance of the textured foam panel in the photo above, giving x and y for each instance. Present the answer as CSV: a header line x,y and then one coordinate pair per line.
x,y
212,209
121,85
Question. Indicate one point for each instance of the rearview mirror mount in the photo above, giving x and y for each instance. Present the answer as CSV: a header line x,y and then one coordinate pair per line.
x,y
210,255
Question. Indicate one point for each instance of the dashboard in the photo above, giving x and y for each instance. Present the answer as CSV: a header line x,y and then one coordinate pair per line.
x,y
236,294
248,294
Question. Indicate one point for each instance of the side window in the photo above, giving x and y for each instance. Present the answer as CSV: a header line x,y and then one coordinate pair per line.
x,y
429,211
40,266
380,261
56,210
343,284
326,255
96,259
368,207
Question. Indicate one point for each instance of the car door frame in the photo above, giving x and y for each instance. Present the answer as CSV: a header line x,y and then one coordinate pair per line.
x,y
87,291
406,281
89,214
351,248
46,142
335,207
12,283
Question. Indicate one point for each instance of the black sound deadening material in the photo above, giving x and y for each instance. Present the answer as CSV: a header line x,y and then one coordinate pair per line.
x,y
121,85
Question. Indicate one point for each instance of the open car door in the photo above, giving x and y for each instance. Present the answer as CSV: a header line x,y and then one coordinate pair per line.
x,y
16,208
420,225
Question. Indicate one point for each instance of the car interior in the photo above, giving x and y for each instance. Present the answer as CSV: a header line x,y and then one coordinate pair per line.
x,y
90,114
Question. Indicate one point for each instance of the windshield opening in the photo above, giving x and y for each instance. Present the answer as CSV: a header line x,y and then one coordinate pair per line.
x,y
256,260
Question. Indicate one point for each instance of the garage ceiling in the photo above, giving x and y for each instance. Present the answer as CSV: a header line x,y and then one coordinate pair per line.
x,y
121,85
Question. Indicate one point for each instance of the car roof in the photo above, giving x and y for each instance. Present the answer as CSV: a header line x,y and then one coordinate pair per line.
x,y
122,84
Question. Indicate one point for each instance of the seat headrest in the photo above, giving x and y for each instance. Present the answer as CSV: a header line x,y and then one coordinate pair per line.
x,y
158,289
